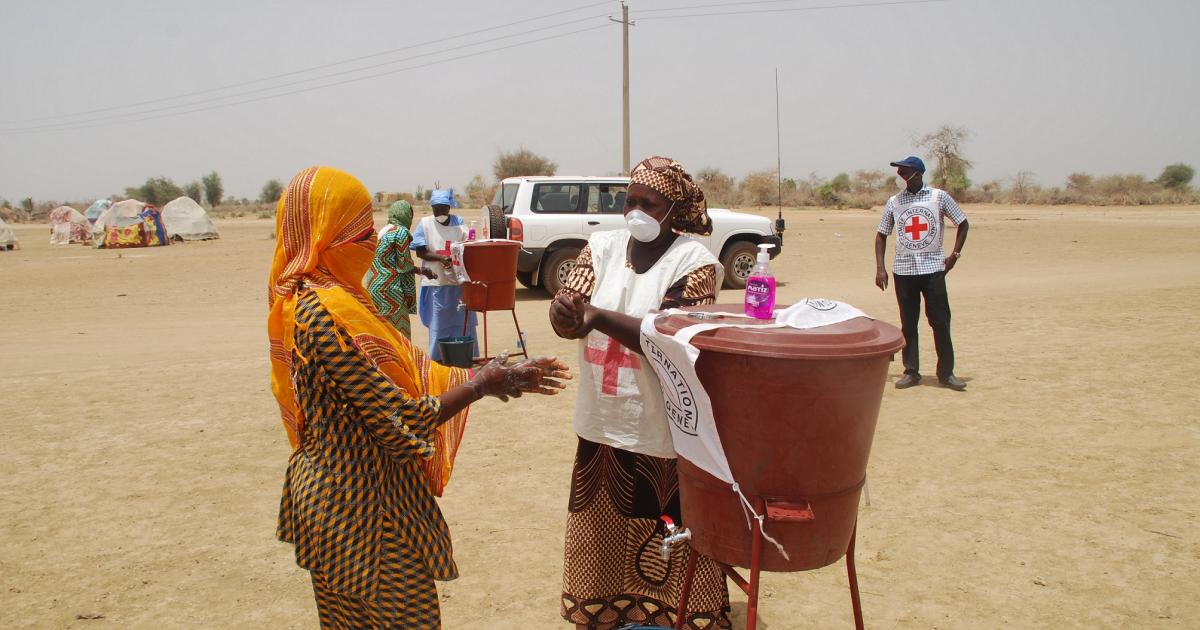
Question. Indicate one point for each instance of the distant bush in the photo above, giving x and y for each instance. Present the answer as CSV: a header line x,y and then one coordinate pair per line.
x,y
271,191
521,162
720,190
1176,176
157,191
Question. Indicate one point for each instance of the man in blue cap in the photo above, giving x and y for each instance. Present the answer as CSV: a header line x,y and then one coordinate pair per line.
x,y
440,297
920,266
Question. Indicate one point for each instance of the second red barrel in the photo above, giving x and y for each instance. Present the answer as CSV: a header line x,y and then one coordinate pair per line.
x,y
796,412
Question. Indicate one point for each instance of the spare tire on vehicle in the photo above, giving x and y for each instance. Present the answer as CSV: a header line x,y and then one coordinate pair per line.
x,y
497,222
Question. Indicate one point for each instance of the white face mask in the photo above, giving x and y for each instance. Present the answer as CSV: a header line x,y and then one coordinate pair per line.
x,y
444,219
642,226
904,182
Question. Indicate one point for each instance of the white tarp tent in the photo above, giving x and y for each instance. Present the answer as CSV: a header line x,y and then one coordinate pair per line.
x,y
8,240
68,225
120,214
96,209
186,220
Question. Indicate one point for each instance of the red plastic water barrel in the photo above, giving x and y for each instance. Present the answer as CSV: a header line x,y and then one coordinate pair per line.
x,y
492,266
796,412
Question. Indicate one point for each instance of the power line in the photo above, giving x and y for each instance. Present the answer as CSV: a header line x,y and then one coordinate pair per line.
x,y
304,70
75,126
331,75
787,10
713,5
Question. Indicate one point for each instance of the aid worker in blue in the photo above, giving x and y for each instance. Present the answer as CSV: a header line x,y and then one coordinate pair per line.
x,y
920,266
440,298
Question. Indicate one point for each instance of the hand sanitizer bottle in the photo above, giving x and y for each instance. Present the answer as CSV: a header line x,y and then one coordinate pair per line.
x,y
760,286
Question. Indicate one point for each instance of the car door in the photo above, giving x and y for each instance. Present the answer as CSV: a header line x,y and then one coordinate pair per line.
x,y
605,204
558,207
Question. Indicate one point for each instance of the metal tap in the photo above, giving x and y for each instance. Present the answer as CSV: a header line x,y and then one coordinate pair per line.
x,y
673,535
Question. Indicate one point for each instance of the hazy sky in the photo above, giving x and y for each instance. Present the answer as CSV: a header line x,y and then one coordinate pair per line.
x,y
1049,86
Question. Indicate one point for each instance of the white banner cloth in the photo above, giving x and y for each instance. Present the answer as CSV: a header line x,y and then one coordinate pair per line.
x,y
688,406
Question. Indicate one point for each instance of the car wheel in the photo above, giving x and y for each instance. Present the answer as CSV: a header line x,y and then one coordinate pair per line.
x,y
558,266
739,261
526,279
497,223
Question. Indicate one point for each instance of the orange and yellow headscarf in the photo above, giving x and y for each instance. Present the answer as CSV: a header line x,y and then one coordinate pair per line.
x,y
320,225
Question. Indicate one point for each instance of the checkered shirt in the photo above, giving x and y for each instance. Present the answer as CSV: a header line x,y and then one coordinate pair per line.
x,y
923,262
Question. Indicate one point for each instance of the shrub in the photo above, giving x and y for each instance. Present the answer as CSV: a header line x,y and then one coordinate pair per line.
x,y
719,188
213,190
1176,176
521,162
271,191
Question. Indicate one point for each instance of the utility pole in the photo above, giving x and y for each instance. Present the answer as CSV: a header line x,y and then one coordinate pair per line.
x,y
625,24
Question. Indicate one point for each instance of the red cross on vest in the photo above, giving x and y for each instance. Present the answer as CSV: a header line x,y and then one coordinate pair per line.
x,y
613,359
916,228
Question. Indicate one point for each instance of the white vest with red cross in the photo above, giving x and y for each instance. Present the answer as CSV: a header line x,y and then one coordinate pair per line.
x,y
919,225
620,403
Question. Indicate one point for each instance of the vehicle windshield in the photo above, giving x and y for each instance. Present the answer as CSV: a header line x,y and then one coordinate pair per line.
x,y
505,196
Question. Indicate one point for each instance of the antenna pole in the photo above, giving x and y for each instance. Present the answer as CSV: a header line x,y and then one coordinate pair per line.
x,y
779,224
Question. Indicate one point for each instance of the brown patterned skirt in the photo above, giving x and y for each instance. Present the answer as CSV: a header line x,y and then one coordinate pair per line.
x,y
613,572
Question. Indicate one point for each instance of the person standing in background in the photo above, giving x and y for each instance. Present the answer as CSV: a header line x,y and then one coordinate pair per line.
x,y
920,266
393,285
440,303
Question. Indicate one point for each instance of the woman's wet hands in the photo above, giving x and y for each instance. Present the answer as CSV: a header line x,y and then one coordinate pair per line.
x,y
543,375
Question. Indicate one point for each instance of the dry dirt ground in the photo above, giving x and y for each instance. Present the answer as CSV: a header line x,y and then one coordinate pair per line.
x,y
143,455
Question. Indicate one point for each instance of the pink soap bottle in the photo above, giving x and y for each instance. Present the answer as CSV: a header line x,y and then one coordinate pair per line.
x,y
760,286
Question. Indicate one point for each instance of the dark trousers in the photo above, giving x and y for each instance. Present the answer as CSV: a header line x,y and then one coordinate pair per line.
x,y
909,290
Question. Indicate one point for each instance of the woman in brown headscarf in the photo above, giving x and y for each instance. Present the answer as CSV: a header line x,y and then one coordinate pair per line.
x,y
624,477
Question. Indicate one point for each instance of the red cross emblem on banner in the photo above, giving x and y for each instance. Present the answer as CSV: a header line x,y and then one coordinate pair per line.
x,y
916,228
613,358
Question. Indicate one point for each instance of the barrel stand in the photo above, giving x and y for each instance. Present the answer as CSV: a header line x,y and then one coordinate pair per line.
x,y
778,512
520,335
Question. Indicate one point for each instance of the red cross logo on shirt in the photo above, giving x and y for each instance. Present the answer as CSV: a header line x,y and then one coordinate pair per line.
x,y
613,359
916,228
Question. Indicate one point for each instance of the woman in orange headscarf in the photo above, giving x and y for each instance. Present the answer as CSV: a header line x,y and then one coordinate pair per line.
x,y
374,423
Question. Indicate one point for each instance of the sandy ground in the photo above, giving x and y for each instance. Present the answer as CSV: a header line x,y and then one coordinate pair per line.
x,y
143,455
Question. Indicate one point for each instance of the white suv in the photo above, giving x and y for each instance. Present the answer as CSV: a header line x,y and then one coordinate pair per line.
x,y
553,217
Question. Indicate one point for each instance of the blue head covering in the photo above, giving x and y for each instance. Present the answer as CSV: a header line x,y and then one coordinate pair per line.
x,y
443,196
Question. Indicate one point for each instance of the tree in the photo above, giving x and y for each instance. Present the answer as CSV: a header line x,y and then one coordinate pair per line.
x,y
521,162
1176,176
760,188
479,192
192,189
1079,182
27,206
213,191
869,181
719,188
271,191
1023,185
944,146
156,191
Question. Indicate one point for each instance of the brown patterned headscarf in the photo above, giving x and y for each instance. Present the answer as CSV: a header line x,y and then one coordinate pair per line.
x,y
670,180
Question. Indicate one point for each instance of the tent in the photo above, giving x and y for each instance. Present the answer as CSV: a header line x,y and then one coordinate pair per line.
x,y
96,209
187,221
129,223
68,225
8,240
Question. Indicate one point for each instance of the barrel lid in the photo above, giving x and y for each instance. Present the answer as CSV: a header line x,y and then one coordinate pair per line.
x,y
854,338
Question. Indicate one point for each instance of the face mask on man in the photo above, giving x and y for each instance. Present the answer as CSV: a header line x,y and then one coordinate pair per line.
x,y
905,180
444,219
642,226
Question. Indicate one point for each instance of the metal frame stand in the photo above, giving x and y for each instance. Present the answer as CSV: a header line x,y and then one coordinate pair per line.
x,y
520,335
750,587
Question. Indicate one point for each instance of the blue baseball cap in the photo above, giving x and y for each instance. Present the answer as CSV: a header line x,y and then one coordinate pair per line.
x,y
911,161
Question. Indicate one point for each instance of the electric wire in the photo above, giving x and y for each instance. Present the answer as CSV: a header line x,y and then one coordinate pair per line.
x,y
786,10
304,70
77,126
331,75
